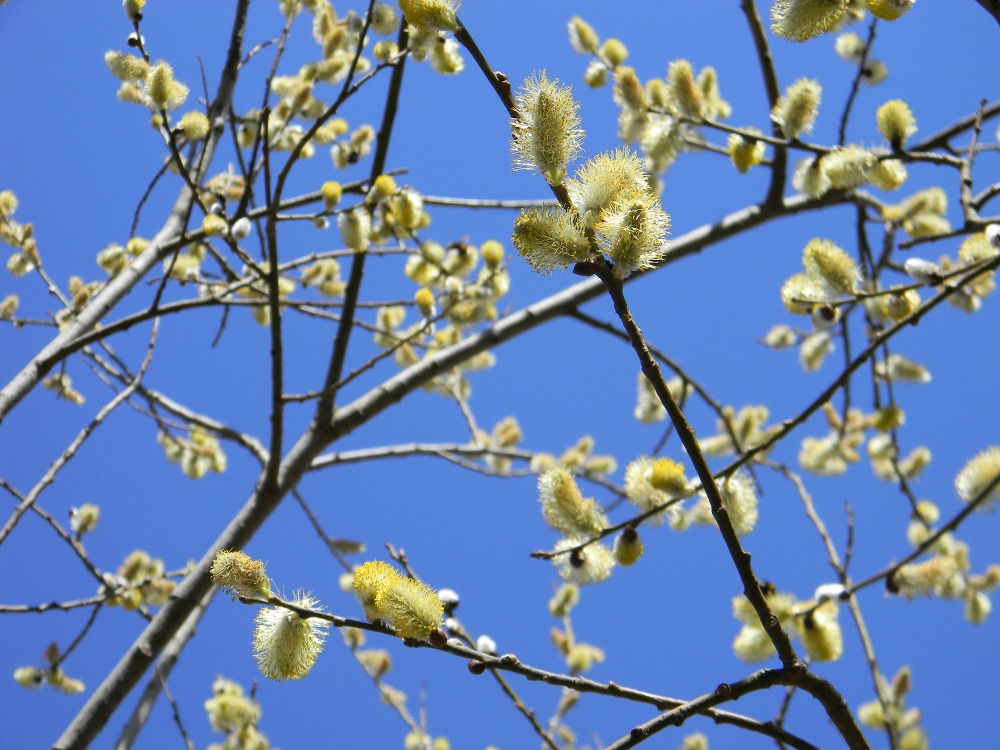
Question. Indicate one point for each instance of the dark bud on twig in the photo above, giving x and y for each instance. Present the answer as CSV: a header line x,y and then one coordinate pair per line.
x,y
586,268
476,666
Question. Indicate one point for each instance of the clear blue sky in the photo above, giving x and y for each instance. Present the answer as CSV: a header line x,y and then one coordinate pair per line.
x,y
78,160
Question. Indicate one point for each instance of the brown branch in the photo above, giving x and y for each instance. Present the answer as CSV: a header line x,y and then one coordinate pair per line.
x,y
68,454
992,7
943,137
855,84
931,540
741,559
159,248
338,354
779,165
260,504
480,662
140,714
109,694
823,691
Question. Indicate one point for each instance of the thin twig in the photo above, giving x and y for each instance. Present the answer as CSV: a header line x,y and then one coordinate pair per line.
x,y
68,454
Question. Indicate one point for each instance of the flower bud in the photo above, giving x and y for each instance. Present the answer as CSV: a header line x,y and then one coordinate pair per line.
x,y
214,226
133,9
614,52
355,228
240,575
546,134
286,645
430,15
888,10
492,253
84,519
331,192
582,36
194,126
425,301
240,229
382,188
895,122
745,151
796,111
800,20
924,271
486,645
628,547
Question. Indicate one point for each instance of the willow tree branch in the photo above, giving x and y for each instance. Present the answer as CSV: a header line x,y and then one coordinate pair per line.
x,y
359,411
68,454
845,115
112,691
794,669
760,680
258,507
338,354
741,558
943,137
172,652
160,247
992,7
779,165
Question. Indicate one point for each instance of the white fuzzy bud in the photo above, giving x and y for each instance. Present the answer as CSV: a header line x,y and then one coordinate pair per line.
x,y
240,229
924,271
486,645
827,591
993,235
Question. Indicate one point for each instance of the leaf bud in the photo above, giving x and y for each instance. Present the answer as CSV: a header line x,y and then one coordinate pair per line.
x,y
476,667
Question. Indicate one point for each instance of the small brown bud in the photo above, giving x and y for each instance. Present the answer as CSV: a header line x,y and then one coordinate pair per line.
x,y
476,666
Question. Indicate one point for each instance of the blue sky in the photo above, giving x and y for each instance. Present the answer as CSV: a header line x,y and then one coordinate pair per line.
x,y
78,160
